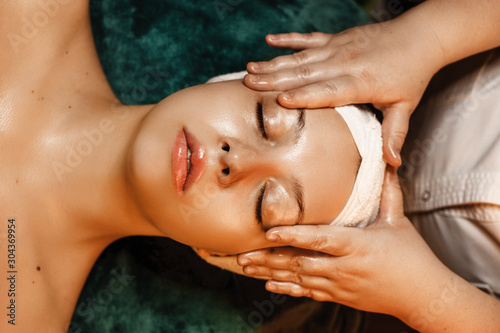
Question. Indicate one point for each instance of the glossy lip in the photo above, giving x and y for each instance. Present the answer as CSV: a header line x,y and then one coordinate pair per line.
x,y
186,170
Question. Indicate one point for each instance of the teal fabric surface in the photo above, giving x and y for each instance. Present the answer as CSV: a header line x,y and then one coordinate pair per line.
x,y
183,43
150,49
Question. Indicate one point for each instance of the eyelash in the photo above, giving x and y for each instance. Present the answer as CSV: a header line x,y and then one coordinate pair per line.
x,y
258,207
260,120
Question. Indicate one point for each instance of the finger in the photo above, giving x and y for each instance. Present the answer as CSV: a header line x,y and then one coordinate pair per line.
x,y
333,240
391,202
287,61
258,257
312,265
296,290
308,281
394,130
298,41
291,78
336,92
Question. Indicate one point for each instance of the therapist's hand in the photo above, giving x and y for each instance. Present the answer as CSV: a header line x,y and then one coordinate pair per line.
x,y
386,267
381,64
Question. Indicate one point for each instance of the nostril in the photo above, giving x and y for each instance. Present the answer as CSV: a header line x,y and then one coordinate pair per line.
x,y
226,171
225,147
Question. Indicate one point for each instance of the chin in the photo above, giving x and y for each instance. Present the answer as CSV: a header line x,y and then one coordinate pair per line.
x,y
148,173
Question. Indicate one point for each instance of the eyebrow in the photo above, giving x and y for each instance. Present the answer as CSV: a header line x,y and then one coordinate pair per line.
x,y
301,123
298,189
298,192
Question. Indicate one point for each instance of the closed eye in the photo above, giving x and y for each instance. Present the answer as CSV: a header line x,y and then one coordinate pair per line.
x,y
260,120
258,207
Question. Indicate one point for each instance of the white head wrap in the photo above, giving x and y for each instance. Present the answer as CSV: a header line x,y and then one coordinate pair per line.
x,y
363,204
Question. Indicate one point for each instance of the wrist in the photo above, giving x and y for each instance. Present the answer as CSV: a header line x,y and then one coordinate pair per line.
x,y
421,39
454,305
435,303
458,28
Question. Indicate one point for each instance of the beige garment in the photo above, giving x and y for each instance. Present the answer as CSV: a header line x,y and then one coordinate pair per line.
x,y
451,168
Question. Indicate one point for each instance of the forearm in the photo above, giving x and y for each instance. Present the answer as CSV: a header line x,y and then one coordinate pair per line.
x,y
461,28
455,306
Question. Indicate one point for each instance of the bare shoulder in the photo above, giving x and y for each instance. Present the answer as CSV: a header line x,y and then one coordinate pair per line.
x,y
25,25
28,285
46,48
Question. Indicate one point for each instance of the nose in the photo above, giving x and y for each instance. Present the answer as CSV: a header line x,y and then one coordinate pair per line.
x,y
239,161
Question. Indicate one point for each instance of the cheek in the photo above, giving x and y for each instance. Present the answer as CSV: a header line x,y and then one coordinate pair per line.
x,y
219,222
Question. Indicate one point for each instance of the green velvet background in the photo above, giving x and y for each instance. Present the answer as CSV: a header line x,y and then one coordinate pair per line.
x,y
150,49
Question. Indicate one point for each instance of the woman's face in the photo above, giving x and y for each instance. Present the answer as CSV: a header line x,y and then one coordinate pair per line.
x,y
252,165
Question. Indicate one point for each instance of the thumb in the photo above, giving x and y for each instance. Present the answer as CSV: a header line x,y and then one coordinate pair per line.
x,y
394,130
391,202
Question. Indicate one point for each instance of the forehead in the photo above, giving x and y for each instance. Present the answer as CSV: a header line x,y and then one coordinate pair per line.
x,y
210,94
328,166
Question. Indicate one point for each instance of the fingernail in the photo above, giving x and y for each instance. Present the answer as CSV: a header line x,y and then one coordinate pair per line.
x,y
245,261
254,78
394,154
250,270
271,37
272,286
398,153
273,237
255,66
287,96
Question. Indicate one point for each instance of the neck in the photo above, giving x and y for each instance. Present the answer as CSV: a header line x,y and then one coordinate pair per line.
x,y
95,190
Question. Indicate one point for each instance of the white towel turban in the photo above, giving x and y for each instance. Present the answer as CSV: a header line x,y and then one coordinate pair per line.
x,y
363,204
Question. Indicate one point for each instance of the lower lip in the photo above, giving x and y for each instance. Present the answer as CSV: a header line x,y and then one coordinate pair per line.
x,y
184,179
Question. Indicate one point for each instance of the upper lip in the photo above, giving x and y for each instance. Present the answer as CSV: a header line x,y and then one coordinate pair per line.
x,y
188,160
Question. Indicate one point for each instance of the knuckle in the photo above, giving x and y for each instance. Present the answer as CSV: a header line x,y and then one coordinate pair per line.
x,y
300,57
350,53
274,275
329,87
264,260
320,242
296,278
308,35
308,293
295,263
338,272
400,134
302,72
396,136
366,80
344,275
272,64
